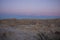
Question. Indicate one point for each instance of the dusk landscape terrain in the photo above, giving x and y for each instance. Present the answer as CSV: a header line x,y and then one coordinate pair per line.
x,y
29,20
30,29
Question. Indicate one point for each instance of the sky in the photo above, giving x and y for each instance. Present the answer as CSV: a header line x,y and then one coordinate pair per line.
x,y
13,8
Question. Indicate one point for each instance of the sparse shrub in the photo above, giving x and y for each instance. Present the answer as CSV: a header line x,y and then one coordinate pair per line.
x,y
41,36
5,35
57,35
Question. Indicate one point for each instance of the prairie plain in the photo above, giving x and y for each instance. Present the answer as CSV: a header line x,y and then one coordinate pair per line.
x,y
30,29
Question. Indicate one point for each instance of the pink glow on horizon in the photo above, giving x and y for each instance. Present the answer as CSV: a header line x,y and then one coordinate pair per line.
x,y
43,12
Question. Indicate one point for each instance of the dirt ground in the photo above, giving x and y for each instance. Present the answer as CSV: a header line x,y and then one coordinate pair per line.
x,y
30,29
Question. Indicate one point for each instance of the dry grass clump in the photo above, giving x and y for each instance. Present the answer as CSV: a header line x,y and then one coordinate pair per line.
x,y
44,36
12,25
5,34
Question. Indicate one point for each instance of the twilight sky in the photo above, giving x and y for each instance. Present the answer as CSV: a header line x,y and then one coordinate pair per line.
x,y
30,7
